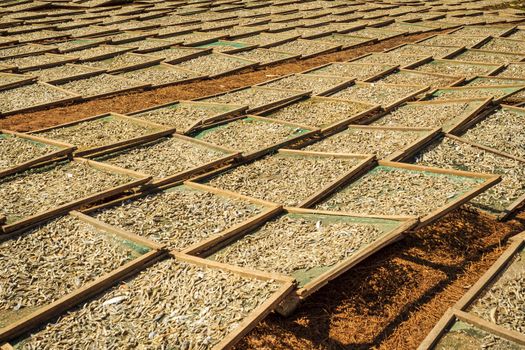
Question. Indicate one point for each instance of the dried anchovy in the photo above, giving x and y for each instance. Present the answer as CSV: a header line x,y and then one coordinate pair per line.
x,y
266,39
413,49
178,218
264,56
513,70
319,113
281,179
474,338
417,78
15,151
183,115
213,64
97,85
164,157
158,75
249,135
350,70
97,51
456,68
313,243
40,189
502,130
99,132
147,44
392,58
307,82
19,50
304,47
29,96
252,97
376,93
453,40
175,53
488,81
502,302
393,191
120,61
469,93
480,30
451,154
73,45
488,57
171,305
53,260
347,40
14,78
505,45
60,72
367,141
424,115
31,61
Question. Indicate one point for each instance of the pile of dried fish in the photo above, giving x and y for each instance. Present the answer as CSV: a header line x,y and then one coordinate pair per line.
x,y
164,157
488,57
40,189
505,45
121,62
98,85
396,191
172,304
213,64
291,244
451,154
98,51
175,53
29,96
305,47
413,49
284,179
513,70
98,132
502,130
26,62
501,303
390,58
453,40
381,142
424,114
159,75
249,135
61,72
21,50
150,44
380,94
179,217
358,71
6,80
470,93
490,81
307,82
253,97
417,78
319,112
15,150
456,68
264,56
75,45
267,39
53,260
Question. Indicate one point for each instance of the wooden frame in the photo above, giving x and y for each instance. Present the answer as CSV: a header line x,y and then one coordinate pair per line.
x,y
269,208
458,310
509,40
309,132
62,60
333,127
333,89
453,51
62,150
24,80
73,97
483,40
230,51
235,111
389,236
90,72
519,81
139,179
346,46
277,42
230,155
331,48
166,66
515,205
290,57
416,60
163,44
457,82
162,131
39,49
396,103
255,109
132,87
118,50
247,64
512,89
152,60
457,55
379,75
195,52
365,163
53,309
496,70
88,43
490,180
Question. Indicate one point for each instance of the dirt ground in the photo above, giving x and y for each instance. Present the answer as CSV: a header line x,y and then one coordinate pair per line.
x,y
389,301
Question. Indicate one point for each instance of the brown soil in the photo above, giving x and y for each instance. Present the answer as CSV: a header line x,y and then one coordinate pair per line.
x,y
394,298
144,99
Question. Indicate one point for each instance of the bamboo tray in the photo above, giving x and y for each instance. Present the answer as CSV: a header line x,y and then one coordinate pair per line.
x,y
144,251
161,77
285,286
84,72
9,80
459,312
136,179
185,54
489,69
146,61
58,60
417,49
498,93
345,69
441,40
156,131
331,83
252,55
312,279
61,150
36,49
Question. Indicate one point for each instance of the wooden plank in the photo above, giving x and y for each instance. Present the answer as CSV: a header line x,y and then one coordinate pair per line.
x,y
491,327
437,332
